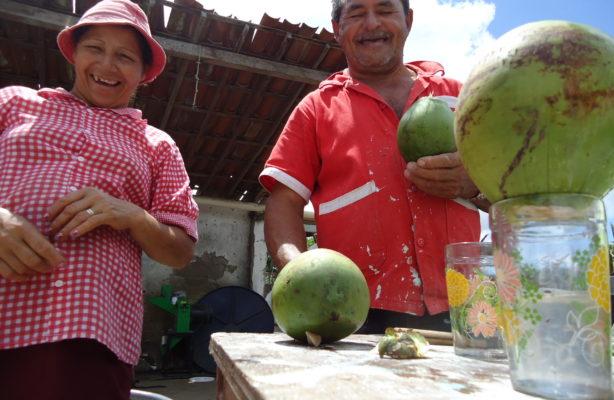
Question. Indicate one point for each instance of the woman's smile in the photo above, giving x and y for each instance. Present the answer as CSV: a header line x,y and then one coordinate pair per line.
x,y
108,66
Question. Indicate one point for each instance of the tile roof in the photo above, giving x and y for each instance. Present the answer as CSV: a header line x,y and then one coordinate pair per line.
x,y
224,96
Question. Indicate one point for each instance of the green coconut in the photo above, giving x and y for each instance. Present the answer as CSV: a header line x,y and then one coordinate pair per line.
x,y
320,294
426,129
536,114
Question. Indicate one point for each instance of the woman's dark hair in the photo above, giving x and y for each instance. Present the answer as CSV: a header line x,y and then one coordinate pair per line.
x,y
146,53
338,5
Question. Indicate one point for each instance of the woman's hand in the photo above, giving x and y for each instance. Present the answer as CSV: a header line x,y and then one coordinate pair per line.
x,y
84,210
24,251
442,175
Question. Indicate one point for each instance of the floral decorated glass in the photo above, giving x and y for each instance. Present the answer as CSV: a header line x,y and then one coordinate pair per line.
x,y
552,261
472,295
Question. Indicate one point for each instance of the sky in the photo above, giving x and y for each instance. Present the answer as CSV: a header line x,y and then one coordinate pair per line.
x,y
453,32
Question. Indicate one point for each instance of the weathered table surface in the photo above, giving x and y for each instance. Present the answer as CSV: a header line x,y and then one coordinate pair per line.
x,y
274,366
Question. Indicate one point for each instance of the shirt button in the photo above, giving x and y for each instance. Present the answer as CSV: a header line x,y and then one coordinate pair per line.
x,y
58,283
80,158
414,188
420,242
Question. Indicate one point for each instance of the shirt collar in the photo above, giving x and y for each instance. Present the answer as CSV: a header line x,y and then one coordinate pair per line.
x,y
421,68
61,92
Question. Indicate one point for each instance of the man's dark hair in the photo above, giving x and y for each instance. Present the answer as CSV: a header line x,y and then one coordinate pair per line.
x,y
338,5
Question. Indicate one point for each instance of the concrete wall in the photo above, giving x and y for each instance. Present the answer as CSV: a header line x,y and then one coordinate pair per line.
x,y
231,251
258,277
223,257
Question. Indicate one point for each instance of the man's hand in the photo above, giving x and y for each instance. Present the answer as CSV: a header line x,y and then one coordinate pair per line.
x,y
442,175
24,251
283,225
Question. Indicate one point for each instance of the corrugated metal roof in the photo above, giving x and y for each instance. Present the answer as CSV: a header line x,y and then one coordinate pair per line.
x,y
224,96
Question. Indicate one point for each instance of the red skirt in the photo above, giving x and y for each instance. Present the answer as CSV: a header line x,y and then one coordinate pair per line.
x,y
71,369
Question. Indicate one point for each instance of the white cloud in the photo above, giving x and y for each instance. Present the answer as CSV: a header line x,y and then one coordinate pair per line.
x,y
315,13
450,33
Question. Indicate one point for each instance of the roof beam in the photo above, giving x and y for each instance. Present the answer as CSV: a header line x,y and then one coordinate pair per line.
x,y
179,79
36,16
243,62
272,131
238,128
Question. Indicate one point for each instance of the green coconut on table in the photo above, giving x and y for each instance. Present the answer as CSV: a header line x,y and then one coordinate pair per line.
x,y
536,113
321,296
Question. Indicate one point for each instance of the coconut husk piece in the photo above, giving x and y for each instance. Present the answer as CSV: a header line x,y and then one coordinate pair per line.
x,y
433,337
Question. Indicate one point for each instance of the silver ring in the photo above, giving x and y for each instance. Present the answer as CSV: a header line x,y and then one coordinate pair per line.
x,y
90,212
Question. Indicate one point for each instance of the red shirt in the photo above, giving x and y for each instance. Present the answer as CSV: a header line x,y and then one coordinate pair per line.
x,y
339,150
50,144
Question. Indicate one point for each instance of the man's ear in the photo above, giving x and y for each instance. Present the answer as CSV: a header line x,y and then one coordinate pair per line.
x,y
335,29
409,20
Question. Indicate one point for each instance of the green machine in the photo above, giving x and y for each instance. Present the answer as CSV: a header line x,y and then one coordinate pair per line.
x,y
180,307
225,309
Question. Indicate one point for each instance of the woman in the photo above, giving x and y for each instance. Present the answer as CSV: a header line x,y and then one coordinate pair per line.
x,y
85,186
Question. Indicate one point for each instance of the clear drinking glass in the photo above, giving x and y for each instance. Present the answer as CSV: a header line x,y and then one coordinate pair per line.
x,y
473,299
552,261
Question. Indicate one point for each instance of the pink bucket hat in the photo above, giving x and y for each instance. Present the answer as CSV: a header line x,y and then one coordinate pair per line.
x,y
121,12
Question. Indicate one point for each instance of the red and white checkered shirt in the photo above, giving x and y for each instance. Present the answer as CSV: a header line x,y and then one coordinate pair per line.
x,y
52,143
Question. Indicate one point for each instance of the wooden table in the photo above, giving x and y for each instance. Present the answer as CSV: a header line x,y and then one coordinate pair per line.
x,y
274,366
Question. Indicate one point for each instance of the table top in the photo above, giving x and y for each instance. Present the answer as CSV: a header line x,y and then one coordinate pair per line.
x,y
274,366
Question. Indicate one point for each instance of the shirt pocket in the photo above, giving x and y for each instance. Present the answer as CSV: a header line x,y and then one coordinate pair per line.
x,y
350,224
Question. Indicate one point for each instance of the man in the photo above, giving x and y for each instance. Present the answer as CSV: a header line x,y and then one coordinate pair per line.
x,y
338,149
